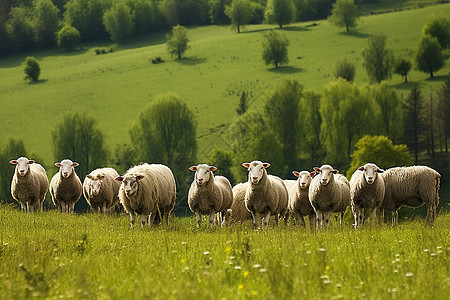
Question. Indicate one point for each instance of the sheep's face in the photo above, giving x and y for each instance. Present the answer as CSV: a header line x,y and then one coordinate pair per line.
x,y
325,173
255,170
370,172
304,178
22,165
203,173
66,167
130,184
95,184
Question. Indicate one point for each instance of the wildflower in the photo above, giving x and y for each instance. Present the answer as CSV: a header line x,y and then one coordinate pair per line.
x,y
409,274
327,268
254,293
206,253
322,249
183,260
245,274
228,249
240,287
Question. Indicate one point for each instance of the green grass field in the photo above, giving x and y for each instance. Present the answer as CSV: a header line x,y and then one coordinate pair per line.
x,y
54,256
115,87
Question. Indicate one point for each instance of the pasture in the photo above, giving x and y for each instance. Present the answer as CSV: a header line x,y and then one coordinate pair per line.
x,y
91,256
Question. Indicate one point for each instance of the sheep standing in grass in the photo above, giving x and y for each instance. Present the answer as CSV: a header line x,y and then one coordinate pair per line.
x,y
266,194
299,204
238,211
329,192
29,184
101,189
366,192
148,190
413,187
209,194
65,186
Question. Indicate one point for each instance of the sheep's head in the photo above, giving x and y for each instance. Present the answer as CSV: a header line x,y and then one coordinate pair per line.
x,y
22,165
95,184
304,178
130,183
325,173
370,172
203,173
255,170
66,167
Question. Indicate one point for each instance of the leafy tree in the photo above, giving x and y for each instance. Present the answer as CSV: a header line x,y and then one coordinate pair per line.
x,y
186,12
77,137
281,12
32,68
275,48
377,59
125,156
379,150
402,67
68,38
118,22
429,56
177,42
444,109
142,15
240,13
413,121
20,29
223,160
344,69
217,11
13,149
345,13
46,22
438,26
243,106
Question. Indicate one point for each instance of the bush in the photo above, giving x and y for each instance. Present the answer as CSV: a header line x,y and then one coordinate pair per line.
x,y
68,38
344,69
157,60
32,68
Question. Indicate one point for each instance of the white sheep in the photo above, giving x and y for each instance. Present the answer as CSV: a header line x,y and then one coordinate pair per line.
x,y
299,204
209,194
413,187
366,192
65,186
266,194
148,190
29,184
329,192
238,212
101,189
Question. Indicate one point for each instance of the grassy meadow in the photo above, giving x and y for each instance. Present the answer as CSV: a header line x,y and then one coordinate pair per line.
x,y
115,87
91,256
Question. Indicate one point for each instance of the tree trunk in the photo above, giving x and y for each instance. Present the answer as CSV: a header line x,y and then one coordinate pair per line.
x,y
346,25
238,28
406,77
431,73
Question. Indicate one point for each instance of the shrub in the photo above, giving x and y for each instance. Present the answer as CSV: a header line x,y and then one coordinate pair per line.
x,y
32,68
68,38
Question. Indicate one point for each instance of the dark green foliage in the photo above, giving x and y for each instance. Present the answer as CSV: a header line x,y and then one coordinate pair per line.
x,y
344,14
118,22
344,69
125,157
31,68
281,12
275,48
68,38
20,28
13,149
223,160
240,13
402,67
186,12
142,14
388,111
414,123
438,26
46,22
217,13
177,42
377,59
243,106
443,112
429,57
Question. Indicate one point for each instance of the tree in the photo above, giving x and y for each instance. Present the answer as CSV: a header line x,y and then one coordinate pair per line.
x,y
77,137
31,68
344,14
20,28
377,59
68,38
344,69
429,56
142,14
217,11
240,13
243,106
177,42
118,22
402,67
280,12
275,48
438,26
413,121
46,22
13,149
223,160
444,110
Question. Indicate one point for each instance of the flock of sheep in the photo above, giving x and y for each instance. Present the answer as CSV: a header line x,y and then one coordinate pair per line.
x,y
149,190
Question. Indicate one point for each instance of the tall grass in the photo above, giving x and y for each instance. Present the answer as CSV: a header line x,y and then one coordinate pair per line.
x,y
50,255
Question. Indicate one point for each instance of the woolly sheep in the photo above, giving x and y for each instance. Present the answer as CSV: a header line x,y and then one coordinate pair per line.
x,y
148,190
65,186
413,187
238,211
209,194
299,205
366,192
266,194
101,189
29,184
329,192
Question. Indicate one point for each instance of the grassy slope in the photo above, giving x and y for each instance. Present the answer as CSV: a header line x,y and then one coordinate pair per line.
x,y
115,87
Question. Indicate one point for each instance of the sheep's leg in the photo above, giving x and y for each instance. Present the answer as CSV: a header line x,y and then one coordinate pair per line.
x,y
326,218
199,218
395,217
299,219
151,219
312,220
276,219
132,218
319,219
341,217
212,215
254,220
144,219
265,220
104,209
380,213
373,214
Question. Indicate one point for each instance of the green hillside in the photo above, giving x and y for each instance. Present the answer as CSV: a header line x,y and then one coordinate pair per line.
x,y
115,87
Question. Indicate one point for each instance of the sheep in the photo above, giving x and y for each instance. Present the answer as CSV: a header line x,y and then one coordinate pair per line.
x,y
413,187
238,211
29,184
65,186
266,194
329,192
367,191
148,190
299,204
101,189
209,194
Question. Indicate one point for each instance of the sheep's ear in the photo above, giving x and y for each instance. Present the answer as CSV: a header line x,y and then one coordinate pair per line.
x,y
212,168
246,165
193,168
296,173
120,178
139,177
89,176
380,170
58,164
75,164
335,171
312,174
13,162
31,162
266,165
317,169
101,177
361,169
